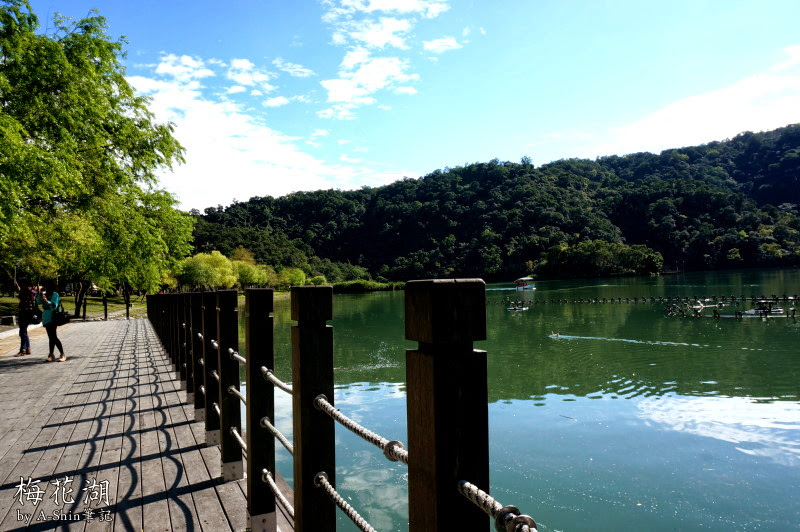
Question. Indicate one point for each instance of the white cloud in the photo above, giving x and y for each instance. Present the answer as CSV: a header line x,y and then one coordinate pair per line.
x,y
794,58
345,158
388,31
293,69
442,45
231,153
183,68
244,72
235,89
277,101
346,90
757,103
406,90
320,133
425,8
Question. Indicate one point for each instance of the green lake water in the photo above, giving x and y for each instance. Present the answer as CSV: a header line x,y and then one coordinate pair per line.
x,y
629,420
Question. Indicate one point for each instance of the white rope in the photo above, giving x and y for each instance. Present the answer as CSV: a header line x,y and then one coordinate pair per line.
x,y
278,434
233,391
236,356
506,518
267,477
267,373
321,481
392,450
235,434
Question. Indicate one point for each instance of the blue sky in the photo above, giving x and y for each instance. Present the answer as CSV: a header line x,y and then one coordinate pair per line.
x,y
274,96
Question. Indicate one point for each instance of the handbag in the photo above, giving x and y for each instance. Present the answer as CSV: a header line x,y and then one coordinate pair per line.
x,y
60,316
35,317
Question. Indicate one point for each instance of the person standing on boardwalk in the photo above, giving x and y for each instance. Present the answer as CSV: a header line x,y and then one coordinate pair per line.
x,y
49,300
27,309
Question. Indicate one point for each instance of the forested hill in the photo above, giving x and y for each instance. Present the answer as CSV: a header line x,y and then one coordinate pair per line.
x,y
719,205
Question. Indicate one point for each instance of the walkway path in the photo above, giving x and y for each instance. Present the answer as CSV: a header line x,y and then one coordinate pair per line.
x,y
107,430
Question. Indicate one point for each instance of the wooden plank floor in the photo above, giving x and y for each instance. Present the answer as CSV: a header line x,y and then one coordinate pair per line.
x,y
108,430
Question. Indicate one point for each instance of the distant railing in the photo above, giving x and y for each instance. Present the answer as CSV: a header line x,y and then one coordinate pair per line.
x,y
447,407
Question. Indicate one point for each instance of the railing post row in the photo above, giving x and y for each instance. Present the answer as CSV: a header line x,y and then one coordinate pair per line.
x,y
197,355
447,408
228,370
211,360
189,350
312,374
260,403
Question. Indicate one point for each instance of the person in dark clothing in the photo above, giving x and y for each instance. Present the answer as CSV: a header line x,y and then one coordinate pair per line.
x,y
27,308
49,300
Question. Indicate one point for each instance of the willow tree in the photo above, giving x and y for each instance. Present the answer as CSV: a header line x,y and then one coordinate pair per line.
x,y
79,153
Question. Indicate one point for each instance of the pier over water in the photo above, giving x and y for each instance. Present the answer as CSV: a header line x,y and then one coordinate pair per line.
x,y
106,440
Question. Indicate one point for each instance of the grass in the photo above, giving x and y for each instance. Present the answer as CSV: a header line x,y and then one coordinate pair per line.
x,y
94,306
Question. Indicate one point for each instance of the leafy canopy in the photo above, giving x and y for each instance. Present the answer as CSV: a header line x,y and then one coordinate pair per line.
x,y
79,152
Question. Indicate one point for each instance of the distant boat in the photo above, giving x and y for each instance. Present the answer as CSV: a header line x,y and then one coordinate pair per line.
x,y
525,283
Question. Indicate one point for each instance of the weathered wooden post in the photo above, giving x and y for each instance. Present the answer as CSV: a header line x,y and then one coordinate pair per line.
x,y
181,347
448,430
228,370
190,363
260,404
197,356
312,375
210,361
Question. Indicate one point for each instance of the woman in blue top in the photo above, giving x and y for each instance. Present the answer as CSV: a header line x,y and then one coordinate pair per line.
x,y
49,299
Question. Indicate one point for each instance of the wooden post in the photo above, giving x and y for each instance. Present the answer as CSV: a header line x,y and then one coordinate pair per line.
x,y
189,360
312,374
228,369
197,355
181,347
448,430
210,361
105,305
260,404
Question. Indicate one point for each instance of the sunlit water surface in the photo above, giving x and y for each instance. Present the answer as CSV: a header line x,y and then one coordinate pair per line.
x,y
628,420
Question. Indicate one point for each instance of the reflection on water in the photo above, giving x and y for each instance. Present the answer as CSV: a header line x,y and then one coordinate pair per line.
x,y
758,428
628,420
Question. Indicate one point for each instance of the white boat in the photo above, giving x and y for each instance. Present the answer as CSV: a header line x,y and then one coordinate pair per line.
x,y
525,283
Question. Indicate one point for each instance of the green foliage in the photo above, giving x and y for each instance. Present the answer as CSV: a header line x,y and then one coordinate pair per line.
x,y
79,152
289,277
206,271
248,274
725,204
599,258
352,287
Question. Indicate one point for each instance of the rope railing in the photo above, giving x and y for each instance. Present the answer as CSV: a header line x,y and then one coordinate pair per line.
x,y
265,423
233,391
393,450
506,518
236,356
266,476
242,444
321,481
447,417
270,376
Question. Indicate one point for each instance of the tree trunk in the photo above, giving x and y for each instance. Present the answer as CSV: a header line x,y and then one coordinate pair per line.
x,y
126,294
80,294
105,306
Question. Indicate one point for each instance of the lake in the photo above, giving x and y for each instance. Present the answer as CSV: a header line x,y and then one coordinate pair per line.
x,y
629,420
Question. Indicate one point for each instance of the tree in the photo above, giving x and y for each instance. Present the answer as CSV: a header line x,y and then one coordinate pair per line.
x,y
79,152
207,271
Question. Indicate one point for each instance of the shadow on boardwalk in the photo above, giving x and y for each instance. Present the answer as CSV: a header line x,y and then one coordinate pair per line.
x,y
104,440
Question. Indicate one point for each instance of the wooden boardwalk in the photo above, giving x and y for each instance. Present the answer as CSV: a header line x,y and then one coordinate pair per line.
x,y
108,430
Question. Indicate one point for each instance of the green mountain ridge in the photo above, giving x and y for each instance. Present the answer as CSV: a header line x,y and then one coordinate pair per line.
x,y
723,204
